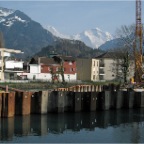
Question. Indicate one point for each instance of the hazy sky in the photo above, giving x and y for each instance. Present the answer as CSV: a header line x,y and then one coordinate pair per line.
x,y
72,17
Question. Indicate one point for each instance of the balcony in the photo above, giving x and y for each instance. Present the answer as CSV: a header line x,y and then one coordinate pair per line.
x,y
101,72
101,65
101,77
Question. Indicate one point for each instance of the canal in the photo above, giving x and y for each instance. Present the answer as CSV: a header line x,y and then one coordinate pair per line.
x,y
114,126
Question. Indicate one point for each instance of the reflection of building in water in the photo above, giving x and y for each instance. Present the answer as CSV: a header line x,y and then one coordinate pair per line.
x,y
22,125
103,119
55,123
119,125
130,126
135,136
89,120
39,124
7,128
137,126
77,122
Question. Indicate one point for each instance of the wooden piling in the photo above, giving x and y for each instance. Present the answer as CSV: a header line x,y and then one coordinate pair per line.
x,y
0,104
23,103
139,99
39,102
88,101
8,104
128,99
103,100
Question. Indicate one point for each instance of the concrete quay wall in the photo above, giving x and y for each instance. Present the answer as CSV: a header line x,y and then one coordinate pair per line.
x,y
43,102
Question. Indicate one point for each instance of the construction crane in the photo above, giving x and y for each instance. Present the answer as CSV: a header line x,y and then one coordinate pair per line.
x,y
138,45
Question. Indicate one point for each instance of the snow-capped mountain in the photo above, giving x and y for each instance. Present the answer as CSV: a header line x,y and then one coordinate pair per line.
x,y
21,32
56,33
5,12
93,38
7,18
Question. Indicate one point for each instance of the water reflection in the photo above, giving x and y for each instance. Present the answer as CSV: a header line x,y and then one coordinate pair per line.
x,y
38,124
131,121
7,129
22,125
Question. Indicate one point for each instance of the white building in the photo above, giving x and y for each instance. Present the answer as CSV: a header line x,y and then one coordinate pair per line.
x,y
40,69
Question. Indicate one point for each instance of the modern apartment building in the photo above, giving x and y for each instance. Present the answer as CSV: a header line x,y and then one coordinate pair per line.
x,y
110,67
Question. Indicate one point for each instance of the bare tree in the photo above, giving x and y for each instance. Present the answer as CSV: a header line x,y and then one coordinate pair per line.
x,y
123,65
126,35
54,75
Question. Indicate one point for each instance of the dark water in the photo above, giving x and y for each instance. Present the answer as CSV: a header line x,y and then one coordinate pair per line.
x,y
125,126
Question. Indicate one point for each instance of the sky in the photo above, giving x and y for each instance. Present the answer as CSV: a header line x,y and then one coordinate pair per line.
x,y
72,17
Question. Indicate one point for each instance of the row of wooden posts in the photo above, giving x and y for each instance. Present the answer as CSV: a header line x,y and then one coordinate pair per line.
x,y
89,88
43,102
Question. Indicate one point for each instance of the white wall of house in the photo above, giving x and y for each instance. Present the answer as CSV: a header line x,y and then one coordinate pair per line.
x,y
11,64
40,76
69,77
36,76
35,69
7,54
47,76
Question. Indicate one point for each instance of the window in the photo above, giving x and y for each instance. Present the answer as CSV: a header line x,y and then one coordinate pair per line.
x,y
70,63
49,69
94,63
57,68
34,77
93,77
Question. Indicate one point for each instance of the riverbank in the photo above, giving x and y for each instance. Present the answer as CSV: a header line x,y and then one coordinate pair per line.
x,y
30,85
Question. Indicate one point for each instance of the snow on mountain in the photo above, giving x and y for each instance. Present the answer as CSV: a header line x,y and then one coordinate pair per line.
x,y
92,38
23,33
10,21
56,33
5,12
8,17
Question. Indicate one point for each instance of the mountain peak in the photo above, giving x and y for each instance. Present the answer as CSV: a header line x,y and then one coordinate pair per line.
x,y
56,33
93,37
4,12
8,17
98,29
